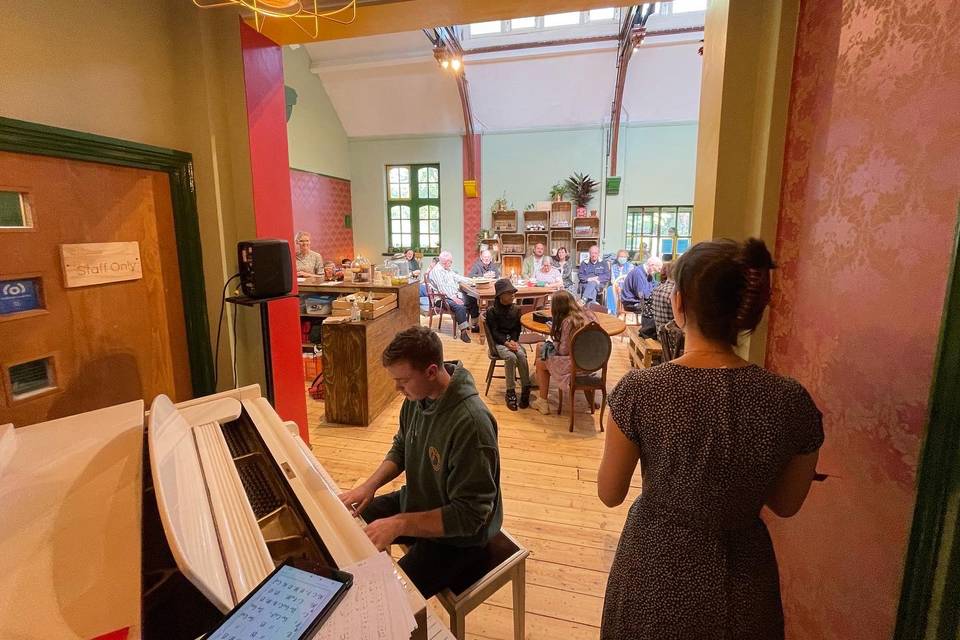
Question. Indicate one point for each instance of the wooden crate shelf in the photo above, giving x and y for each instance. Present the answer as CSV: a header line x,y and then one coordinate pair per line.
x,y
586,227
505,221
582,247
560,238
561,215
536,221
537,236
512,264
513,244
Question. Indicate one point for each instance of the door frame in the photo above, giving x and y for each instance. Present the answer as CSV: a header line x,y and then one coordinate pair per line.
x,y
18,136
931,575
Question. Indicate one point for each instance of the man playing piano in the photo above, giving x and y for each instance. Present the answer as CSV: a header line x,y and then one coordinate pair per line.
x,y
447,444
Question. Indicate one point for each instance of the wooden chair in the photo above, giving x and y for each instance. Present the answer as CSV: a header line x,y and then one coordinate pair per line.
x,y
671,341
438,305
621,312
590,349
535,303
492,354
506,562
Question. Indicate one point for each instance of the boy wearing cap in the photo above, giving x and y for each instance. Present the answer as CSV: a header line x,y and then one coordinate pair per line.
x,y
503,320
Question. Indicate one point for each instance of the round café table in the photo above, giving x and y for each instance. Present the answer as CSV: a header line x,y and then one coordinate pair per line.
x,y
611,324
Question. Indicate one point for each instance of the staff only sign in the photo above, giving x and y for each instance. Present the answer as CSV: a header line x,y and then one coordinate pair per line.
x,y
100,263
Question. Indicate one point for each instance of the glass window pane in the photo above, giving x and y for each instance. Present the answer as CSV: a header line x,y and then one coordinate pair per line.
x,y
561,19
602,14
404,191
394,212
423,190
523,23
668,222
481,28
404,173
405,226
433,174
434,226
404,213
394,191
683,244
434,191
13,210
395,226
683,223
685,6
666,245
394,176
424,227
422,175
647,224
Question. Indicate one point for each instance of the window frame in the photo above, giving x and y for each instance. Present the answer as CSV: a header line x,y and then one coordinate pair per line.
x,y
415,204
634,235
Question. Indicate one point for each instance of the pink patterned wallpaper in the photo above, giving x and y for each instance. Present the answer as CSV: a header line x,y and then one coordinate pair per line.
x,y
868,213
472,213
319,206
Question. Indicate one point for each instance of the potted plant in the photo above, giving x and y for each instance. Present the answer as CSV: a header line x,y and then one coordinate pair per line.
x,y
581,188
558,192
500,204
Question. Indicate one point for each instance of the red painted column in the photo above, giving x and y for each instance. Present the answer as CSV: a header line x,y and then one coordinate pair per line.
x,y
273,213
472,214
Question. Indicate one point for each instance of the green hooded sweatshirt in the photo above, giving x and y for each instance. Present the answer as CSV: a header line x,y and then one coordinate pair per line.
x,y
448,449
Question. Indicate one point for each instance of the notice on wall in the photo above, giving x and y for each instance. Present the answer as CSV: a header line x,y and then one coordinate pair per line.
x,y
100,263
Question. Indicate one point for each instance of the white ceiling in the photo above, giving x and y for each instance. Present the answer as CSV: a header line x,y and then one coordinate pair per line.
x,y
390,85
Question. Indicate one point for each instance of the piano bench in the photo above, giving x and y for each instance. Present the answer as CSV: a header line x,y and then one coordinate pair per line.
x,y
506,562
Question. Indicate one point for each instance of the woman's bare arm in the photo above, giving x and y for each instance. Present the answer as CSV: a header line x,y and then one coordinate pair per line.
x,y
620,457
791,488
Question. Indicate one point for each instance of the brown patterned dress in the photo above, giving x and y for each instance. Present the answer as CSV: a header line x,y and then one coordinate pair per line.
x,y
695,561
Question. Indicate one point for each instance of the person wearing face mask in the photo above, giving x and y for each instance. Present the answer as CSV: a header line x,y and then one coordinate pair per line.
x,y
621,266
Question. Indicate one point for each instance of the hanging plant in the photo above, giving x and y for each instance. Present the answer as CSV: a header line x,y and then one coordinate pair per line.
x,y
558,192
581,188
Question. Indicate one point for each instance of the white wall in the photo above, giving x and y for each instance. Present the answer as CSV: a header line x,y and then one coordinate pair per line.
x,y
657,166
316,139
368,160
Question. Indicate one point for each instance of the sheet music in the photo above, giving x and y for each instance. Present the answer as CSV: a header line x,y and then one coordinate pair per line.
x,y
375,607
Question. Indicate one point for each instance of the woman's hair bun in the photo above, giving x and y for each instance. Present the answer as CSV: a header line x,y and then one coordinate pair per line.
x,y
755,255
756,262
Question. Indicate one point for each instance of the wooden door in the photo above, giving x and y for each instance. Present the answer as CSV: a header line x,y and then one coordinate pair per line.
x,y
106,343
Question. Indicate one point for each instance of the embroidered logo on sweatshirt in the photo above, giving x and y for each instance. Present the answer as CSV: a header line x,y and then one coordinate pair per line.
x,y
434,458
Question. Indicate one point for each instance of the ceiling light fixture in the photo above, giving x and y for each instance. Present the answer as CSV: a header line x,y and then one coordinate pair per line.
x,y
455,63
299,12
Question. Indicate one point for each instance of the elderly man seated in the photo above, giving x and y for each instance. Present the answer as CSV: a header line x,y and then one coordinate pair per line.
x,y
309,263
484,267
594,276
446,281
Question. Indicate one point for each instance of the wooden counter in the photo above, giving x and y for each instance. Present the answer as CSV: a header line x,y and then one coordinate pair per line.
x,y
356,386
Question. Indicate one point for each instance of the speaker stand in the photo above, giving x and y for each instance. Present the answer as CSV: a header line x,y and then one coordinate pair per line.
x,y
264,334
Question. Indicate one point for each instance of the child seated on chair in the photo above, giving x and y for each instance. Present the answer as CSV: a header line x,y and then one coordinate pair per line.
x,y
554,360
503,321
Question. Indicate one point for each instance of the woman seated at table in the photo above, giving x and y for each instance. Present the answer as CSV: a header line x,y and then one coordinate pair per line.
x,y
548,274
562,261
554,356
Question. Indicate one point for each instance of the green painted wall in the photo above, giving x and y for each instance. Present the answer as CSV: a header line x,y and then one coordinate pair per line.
x,y
657,164
368,160
316,139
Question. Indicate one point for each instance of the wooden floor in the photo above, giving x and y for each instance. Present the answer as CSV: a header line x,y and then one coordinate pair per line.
x,y
550,501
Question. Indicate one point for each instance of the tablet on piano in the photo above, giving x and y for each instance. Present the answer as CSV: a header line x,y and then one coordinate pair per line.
x,y
292,602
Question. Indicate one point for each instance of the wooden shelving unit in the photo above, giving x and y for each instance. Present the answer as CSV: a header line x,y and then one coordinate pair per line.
x,y
536,221
513,244
588,227
493,244
504,221
560,238
561,215
533,237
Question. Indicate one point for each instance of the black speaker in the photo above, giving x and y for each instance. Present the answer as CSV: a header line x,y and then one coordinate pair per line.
x,y
265,269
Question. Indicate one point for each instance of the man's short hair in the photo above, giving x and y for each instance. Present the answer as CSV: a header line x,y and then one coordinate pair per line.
x,y
419,346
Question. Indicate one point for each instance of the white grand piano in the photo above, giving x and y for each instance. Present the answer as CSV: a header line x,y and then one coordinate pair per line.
x,y
99,540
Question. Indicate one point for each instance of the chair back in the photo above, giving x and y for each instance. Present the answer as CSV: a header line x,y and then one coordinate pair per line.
x,y
596,307
433,296
590,348
491,345
532,303
618,299
670,337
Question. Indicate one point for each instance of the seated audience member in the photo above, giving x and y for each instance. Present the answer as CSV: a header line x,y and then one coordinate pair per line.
x,y
450,506
642,254
563,262
503,321
484,267
717,439
660,298
621,266
548,274
446,281
636,292
594,276
309,263
554,360
412,263
532,262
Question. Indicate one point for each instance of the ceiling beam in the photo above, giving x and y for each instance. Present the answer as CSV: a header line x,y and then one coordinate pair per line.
x,y
631,35
446,39
517,46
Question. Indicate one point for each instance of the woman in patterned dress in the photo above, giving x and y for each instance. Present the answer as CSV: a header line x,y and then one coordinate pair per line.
x,y
566,317
717,438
